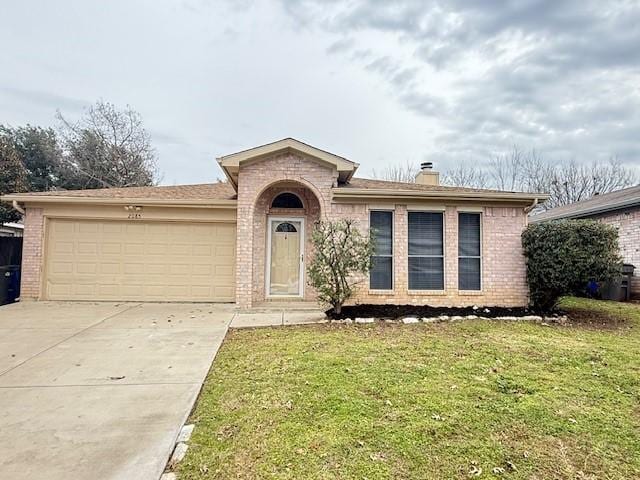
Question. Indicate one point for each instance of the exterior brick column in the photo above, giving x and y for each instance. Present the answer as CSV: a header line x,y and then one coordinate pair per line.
x,y
244,245
400,251
451,250
33,240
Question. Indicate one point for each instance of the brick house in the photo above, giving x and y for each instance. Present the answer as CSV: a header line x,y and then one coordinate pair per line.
x,y
247,240
620,209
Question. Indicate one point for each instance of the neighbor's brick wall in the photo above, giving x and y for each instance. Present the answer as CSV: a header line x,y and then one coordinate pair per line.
x,y
33,241
628,224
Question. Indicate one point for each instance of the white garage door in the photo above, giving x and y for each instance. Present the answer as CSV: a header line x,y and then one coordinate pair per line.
x,y
148,261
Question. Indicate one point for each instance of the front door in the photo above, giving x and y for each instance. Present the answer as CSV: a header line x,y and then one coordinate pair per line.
x,y
284,262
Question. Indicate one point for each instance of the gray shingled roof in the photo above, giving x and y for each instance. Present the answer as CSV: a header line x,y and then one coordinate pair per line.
x,y
607,202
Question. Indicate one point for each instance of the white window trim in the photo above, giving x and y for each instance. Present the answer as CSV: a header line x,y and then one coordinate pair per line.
x,y
481,289
267,276
442,290
393,250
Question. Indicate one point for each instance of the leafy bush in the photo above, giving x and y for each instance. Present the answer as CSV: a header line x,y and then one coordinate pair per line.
x,y
563,256
340,253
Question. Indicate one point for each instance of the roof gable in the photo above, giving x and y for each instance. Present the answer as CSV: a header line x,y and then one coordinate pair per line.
x,y
231,163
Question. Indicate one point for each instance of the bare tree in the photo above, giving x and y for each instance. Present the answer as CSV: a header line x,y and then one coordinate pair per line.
x,y
517,170
571,182
107,148
465,175
397,173
506,169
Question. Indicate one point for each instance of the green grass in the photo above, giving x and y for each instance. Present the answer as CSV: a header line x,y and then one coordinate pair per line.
x,y
424,401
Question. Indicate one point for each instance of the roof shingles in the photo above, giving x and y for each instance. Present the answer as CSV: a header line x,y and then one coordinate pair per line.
x,y
204,191
599,203
225,191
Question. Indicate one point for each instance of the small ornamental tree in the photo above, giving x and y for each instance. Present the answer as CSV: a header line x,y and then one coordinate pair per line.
x,y
563,256
341,252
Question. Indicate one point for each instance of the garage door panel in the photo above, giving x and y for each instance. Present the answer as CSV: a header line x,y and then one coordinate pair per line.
x,y
153,261
110,248
87,247
86,268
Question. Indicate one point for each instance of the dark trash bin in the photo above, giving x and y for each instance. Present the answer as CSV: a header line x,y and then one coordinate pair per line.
x,y
619,289
627,273
9,283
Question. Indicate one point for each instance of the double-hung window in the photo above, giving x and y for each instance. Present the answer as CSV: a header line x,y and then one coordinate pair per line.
x,y
381,274
469,251
426,251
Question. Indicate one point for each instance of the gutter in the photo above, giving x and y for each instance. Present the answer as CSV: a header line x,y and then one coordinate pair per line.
x,y
52,199
353,193
17,207
531,207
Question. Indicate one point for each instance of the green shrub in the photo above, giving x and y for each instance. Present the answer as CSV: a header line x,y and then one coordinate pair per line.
x,y
341,252
563,256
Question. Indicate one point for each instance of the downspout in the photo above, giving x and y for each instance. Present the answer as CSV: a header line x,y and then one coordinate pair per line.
x,y
532,206
17,206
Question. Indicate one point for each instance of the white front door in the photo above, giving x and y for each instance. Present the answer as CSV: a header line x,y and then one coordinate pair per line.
x,y
284,257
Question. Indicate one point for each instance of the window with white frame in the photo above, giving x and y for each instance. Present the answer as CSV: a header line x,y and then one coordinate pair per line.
x,y
469,251
381,274
426,250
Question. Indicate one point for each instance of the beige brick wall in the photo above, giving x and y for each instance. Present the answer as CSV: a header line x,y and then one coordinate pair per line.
x,y
33,242
628,224
503,264
254,180
503,273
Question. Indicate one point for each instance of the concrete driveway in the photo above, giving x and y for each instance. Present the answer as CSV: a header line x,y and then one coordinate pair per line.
x,y
100,390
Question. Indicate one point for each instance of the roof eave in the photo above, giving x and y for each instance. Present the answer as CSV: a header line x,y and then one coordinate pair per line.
x,y
156,202
353,193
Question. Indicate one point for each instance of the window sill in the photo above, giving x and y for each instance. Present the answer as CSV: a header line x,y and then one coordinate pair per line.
x,y
381,292
470,293
427,292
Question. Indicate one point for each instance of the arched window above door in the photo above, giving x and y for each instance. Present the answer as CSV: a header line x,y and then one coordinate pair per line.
x,y
287,200
286,227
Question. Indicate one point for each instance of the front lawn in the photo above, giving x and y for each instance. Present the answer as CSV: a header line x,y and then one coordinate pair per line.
x,y
474,399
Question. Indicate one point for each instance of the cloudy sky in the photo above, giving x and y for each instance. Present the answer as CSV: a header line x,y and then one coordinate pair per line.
x,y
379,82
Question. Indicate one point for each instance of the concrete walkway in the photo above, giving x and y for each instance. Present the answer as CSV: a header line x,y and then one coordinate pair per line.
x,y
271,317
100,390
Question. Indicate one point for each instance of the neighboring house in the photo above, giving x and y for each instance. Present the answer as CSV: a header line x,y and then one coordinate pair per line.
x,y
247,240
11,229
620,209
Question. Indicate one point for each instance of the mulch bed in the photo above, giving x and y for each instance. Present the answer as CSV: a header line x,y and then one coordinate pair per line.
x,y
419,311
